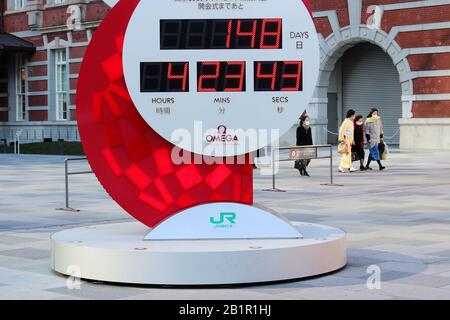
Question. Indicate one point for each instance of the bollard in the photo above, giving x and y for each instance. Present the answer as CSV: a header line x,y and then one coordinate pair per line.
x,y
61,146
5,146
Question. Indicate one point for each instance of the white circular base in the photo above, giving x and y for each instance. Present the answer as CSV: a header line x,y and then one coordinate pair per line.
x,y
118,253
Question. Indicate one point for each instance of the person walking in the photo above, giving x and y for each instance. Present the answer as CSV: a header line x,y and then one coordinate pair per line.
x,y
374,135
346,141
358,147
304,138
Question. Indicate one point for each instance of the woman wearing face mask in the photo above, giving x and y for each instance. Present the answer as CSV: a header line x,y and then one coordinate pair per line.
x,y
358,148
374,135
304,138
346,137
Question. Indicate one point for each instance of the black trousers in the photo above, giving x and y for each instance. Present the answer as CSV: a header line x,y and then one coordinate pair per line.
x,y
302,164
359,152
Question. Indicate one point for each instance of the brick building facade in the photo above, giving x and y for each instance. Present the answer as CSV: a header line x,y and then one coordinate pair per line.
x,y
414,38
394,54
38,88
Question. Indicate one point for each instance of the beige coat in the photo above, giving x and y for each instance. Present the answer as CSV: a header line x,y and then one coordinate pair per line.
x,y
346,132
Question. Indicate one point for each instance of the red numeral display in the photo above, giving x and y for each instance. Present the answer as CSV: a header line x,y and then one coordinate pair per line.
x,y
221,34
270,74
250,34
224,76
178,77
270,34
164,76
279,76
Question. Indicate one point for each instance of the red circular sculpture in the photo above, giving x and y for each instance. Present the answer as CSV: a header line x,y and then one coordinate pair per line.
x,y
132,162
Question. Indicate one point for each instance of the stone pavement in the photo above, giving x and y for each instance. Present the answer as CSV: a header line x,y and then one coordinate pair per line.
x,y
397,220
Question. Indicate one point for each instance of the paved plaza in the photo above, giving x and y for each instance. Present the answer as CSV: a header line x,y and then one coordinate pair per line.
x,y
398,222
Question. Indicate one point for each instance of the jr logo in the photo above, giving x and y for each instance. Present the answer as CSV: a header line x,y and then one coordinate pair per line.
x,y
224,218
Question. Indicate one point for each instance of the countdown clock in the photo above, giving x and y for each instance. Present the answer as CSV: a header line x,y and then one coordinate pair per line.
x,y
153,73
148,73
247,67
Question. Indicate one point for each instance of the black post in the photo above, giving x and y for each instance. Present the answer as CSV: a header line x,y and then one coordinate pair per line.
x,y
5,146
61,146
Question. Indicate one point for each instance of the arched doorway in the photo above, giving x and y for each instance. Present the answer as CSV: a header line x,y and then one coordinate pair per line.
x,y
364,77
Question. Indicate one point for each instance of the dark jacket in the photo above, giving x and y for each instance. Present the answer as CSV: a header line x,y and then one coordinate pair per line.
x,y
359,136
304,137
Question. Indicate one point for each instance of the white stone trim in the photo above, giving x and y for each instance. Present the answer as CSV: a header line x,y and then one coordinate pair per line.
x,y
426,97
319,100
40,78
425,50
38,108
79,44
26,34
37,63
37,93
89,35
425,121
416,27
426,74
57,43
354,13
415,4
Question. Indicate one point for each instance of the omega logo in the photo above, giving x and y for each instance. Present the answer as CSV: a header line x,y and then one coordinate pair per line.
x,y
222,136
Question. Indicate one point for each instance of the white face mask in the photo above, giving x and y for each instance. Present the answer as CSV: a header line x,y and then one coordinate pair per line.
x,y
307,123
359,123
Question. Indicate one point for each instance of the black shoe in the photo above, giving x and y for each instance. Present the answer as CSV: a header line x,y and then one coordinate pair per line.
x,y
369,168
305,173
362,168
382,168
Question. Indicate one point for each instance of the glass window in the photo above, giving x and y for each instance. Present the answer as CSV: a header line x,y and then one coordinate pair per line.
x,y
61,81
21,98
19,4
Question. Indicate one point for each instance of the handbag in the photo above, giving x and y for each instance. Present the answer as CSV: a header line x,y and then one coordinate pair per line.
x,y
381,147
343,148
385,154
355,156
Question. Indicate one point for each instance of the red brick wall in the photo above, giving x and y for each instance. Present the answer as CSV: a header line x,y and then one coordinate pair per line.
x,y
340,6
431,109
431,61
38,115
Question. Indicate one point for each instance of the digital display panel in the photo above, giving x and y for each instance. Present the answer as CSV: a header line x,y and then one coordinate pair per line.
x,y
224,76
221,34
278,75
190,61
164,77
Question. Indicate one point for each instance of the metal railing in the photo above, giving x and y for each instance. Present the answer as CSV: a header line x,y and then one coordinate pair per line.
x,y
67,173
317,147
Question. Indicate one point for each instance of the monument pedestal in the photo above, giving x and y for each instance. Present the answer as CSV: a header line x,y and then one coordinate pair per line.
x,y
119,253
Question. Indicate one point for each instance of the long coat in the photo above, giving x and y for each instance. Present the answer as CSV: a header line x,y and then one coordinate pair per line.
x,y
304,136
374,131
347,135
346,132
